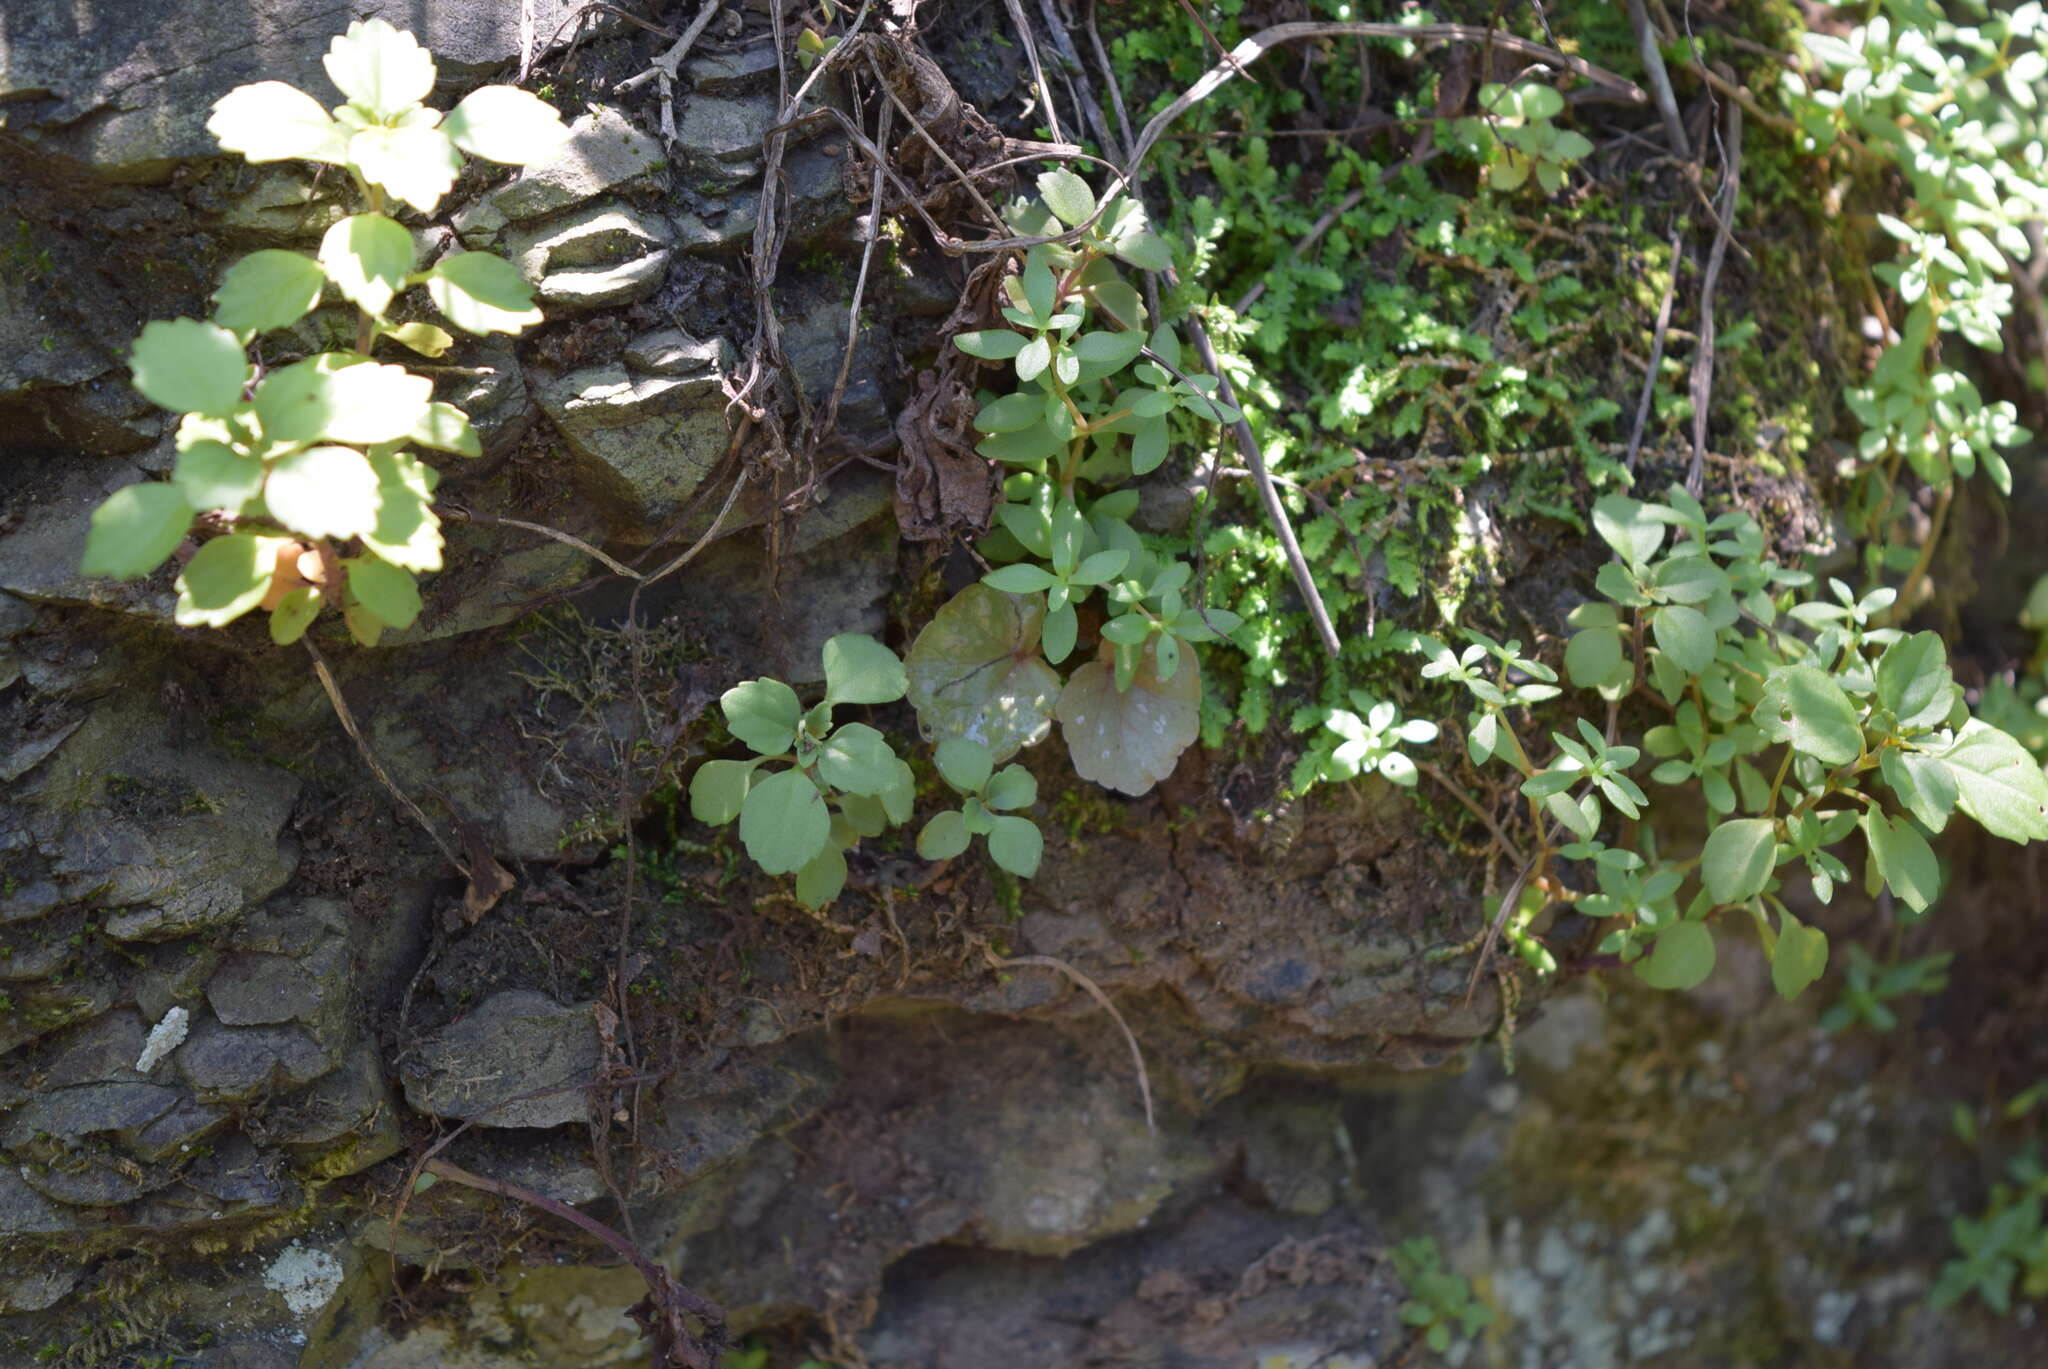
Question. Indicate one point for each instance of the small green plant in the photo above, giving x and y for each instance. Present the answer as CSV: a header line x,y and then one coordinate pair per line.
x,y
1014,842
1096,388
1868,989
1364,740
1515,139
1440,1303
303,468
834,786
2008,1245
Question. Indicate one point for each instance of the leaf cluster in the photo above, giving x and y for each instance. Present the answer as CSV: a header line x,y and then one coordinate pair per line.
x,y
306,465
1439,1303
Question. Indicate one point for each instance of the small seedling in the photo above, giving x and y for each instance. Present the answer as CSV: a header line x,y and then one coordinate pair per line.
x,y
992,796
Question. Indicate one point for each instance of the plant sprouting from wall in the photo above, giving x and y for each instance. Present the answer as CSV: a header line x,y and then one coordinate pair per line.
x,y
303,470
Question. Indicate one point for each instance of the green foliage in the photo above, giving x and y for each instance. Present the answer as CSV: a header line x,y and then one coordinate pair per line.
x,y
1440,1303
2006,1246
1514,136
308,460
1868,989
1095,393
992,796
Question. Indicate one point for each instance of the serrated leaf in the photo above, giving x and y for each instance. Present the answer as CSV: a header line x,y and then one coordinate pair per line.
x,y
1800,957
134,529
943,838
1067,196
1738,859
325,492
379,68
505,124
860,670
368,257
1682,958
273,122
189,366
212,475
415,164
1017,845
763,714
446,428
294,614
1129,740
268,289
228,577
341,396
718,789
384,589
964,764
1904,859
408,532
975,672
784,822
1998,783
482,293
1802,705
822,879
857,759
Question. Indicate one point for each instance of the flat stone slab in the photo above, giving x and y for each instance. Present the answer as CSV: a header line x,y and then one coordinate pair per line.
x,y
642,444
517,1042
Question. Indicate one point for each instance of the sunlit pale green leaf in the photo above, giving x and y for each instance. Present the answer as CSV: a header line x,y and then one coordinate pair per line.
x,y
1913,680
482,293
341,396
1146,251
1802,705
212,475
763,714
294,614
860,670
408,532
717,790
267,289
423,338
226,578
134,529
184,364
505,124
368,257
1067,195
1017,845
1685,636
379,68
325,492
446,428
416,164
272,122
1998,783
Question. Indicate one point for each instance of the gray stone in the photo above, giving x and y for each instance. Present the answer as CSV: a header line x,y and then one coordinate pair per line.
x,y
32,1290
294,967
186,1125
228,1064
601,254
498,404
84,1109
517,1042
43,1008
345,1123
672,352
604,151
39,556
25,1212
603,286
642,446
282,203
90,1178
726,128
725,73
102,1051
818,204
126,89
814,339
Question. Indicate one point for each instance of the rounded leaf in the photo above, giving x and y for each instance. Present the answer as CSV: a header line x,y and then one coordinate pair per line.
x,y
943,838
385,590
763,714
1738,859
368,257
857,759
324,492
993,344
273,122
718,789
268,289
294,614
228,577
481,293
190,366
1067,196
1997,782
1682,958
408,532
820,881
379,68
1017,846
1800,958
975,672
1803,705
134,529
505,124
1130,740
1685,635
1013,787
860,670
964,764
784,822
415,163
1904,859
212,475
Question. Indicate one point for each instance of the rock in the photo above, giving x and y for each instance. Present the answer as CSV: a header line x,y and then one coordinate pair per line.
x,y
726,217
308,984
498,404
85,1109
129,93
41,1008
343,1124
39,556
102,1051
32,1290
282,204
186,1125
672,352
725,128
725,73
602,254
518,1041
814,340
228,1064
642,446
25,1212
604,151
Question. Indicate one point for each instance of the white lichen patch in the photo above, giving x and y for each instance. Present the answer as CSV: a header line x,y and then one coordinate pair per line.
x,y
164,1038
304,1278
